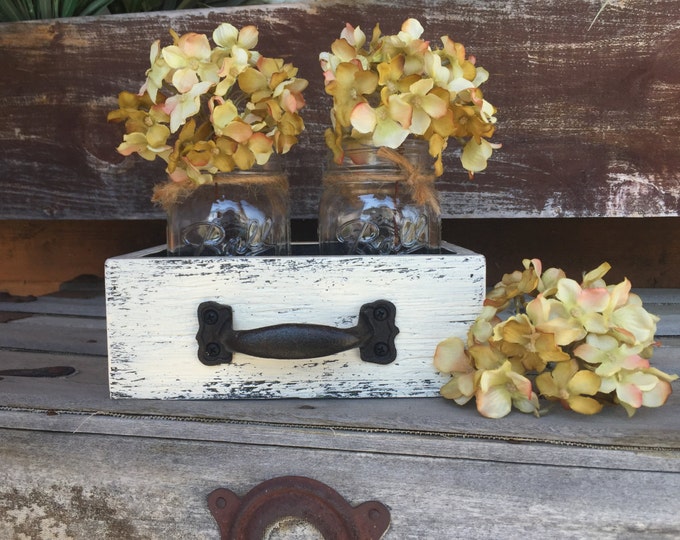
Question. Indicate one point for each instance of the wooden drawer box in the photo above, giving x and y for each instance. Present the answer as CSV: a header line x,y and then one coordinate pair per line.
x,y
152,308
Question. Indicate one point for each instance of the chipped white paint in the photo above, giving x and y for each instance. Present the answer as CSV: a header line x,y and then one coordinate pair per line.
x,y
152,321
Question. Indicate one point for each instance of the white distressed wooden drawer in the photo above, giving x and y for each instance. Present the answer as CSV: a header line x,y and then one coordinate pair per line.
x,y
152,321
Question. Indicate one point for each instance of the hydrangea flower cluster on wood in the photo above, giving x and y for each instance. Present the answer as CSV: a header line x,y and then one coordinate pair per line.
x,y
583,345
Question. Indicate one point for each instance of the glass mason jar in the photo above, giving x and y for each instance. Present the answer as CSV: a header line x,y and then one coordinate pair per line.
x,y
243,213
379,202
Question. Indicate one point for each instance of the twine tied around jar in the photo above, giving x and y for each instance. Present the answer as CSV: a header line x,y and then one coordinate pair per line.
x,y
172,193
420,181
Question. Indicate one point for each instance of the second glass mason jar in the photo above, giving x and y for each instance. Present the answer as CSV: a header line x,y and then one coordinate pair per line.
x,y
380,202
243,213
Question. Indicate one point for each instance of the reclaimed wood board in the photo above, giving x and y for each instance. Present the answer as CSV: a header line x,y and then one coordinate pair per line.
x,y
134,487
587,108
77,464
80,402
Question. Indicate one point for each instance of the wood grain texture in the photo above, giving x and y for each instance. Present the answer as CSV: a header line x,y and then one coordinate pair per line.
x,y
81,403
88,486
587,116
152,321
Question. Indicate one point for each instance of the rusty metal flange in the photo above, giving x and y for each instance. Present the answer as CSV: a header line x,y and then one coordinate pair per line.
x,y
298,497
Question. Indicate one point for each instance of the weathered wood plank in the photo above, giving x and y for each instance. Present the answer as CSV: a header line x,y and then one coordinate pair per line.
x,y
47,333
85,487
385,442
587,115
86,393
56,305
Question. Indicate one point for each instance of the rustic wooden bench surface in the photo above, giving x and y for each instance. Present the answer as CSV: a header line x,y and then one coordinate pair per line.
x,y
82,465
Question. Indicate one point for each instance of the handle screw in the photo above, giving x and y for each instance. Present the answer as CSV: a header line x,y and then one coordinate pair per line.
x,y
210,316
212,349
380,313
381,349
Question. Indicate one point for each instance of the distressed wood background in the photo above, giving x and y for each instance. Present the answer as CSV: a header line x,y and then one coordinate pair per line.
x,y
587,115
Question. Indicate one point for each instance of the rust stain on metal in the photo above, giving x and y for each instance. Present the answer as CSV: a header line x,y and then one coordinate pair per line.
x,y
298,499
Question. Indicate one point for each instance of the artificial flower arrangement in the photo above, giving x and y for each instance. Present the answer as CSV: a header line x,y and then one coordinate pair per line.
x,y
582,345
207,110
396,86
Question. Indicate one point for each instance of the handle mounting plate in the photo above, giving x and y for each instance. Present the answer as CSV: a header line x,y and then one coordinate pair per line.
x,y
374,335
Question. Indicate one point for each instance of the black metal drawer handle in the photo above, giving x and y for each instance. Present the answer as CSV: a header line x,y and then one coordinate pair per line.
x,y
374,336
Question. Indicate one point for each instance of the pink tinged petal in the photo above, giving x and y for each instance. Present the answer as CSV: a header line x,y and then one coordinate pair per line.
x,y
400,110
413,28
239,131
450,357
354,36
363,118
494,403
657,396
630,394
522,384
596,299
179,175
248,37
132,142
389,133
634,361
184,80
433,105
195,45
288,101
538,310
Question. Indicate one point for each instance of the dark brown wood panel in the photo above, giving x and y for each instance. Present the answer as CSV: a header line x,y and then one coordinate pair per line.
x,y
587,116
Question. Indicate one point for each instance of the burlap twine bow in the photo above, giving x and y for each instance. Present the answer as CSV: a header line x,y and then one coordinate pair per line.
x,y
421,182
172,193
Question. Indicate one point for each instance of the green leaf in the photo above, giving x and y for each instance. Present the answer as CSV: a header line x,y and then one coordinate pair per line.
x,y
96,7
